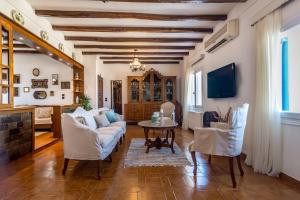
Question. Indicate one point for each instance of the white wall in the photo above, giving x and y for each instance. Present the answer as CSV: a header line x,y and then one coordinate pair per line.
x,y
242,52
23,65
90,78
94,66
121,71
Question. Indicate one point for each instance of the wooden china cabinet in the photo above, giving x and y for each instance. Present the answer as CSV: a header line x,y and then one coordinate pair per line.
x,y
146,93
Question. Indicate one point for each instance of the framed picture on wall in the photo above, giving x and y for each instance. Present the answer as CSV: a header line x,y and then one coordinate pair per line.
x,y
5,76
65,85
54,79
51,93
26,89
17,78
16,91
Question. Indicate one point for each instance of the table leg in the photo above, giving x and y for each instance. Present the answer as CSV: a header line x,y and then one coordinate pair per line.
x,y
172,141
146,131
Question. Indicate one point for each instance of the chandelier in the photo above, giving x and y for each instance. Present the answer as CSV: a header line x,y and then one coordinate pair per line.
x,y
136,65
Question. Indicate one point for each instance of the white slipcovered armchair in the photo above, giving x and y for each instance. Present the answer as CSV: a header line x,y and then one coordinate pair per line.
x,y
222,139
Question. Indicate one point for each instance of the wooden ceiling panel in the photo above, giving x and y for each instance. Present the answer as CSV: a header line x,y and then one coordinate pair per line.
x,y
141,58
145,62
131,29
185,53
128,15
176,1
133,47
114,39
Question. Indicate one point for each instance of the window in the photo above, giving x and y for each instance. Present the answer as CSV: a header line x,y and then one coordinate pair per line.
x,y
291,70
195,90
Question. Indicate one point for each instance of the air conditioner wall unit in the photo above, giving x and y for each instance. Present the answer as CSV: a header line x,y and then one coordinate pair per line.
x,y
227,33
198,59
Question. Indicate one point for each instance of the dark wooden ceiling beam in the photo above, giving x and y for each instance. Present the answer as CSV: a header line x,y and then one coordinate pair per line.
x,y
136,53
177,1
131,29
145,62
84,46
128,15
141,58
115,39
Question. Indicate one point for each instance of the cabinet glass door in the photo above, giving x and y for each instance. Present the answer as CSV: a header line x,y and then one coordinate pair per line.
x,y
157,86
169,84
6,85
147,89
134,90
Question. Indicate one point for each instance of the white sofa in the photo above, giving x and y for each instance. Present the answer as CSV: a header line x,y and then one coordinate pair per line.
x,y
86,141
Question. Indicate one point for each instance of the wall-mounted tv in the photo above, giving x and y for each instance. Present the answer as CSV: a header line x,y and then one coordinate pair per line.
x,y
221,83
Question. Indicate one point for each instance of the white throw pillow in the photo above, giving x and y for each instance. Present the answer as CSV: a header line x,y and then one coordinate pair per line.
x,y
101,120
89,119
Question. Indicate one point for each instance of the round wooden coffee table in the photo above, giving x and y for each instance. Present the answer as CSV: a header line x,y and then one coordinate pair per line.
x,y
167,125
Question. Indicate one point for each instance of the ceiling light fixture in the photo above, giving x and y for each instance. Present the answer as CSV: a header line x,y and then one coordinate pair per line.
x,y
136,65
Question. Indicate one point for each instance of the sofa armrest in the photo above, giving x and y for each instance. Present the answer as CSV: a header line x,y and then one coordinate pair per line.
x,y
80,141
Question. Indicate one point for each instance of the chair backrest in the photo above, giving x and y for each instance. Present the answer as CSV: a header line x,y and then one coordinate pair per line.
x,y
168,108
238,121
43,112
238,117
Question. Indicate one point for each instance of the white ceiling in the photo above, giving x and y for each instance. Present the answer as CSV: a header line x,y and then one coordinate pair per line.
x,y
152,8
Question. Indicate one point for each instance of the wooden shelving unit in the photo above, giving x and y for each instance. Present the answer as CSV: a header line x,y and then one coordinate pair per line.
x,y
78,83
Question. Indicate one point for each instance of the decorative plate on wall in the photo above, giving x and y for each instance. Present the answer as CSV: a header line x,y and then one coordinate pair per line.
x,y
35,72
40,95
74,56
17,17
44,35
61,47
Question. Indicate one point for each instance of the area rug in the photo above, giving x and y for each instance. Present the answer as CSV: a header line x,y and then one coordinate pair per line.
x,y
137,156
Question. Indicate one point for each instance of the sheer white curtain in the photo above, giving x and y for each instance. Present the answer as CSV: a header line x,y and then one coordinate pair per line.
x,y
187,96
266,149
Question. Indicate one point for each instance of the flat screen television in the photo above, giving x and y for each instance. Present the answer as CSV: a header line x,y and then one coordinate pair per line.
x,y
221,83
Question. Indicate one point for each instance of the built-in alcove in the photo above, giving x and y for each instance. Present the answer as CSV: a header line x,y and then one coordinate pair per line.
x,y
37,82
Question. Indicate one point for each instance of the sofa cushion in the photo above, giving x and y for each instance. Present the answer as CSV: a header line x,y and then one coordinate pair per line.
x,y
43,121
81,120
111,116
121,124
89,119
101,120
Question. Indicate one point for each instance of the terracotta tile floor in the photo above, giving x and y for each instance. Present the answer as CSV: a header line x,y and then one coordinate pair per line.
x,y
39,177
